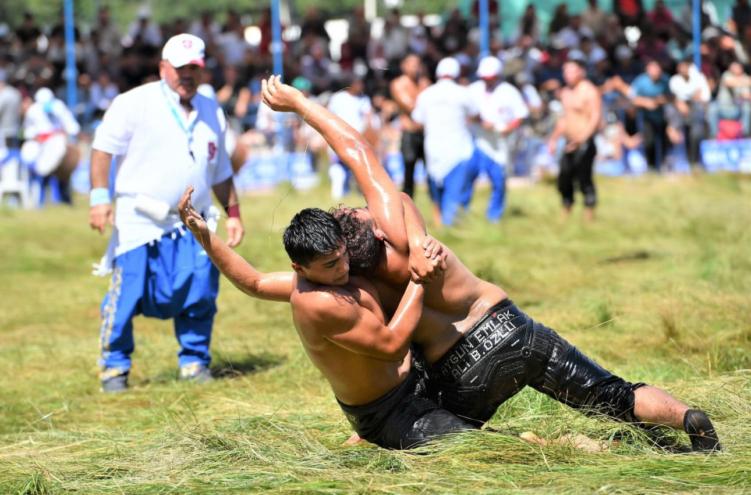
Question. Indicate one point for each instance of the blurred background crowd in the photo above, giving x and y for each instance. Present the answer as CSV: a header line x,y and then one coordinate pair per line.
x,y
658,105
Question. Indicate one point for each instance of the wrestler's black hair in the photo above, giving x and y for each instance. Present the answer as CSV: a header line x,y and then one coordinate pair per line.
x,y
578,61
364,249
312,233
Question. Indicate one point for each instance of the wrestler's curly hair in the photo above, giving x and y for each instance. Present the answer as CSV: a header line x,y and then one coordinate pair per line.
x,y
312,233
364,248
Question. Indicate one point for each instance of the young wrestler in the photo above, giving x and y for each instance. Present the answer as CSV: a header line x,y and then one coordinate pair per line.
x,y
481,348
344,331
339,318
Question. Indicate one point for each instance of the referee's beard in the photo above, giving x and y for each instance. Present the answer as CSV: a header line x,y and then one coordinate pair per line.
x,y
183,80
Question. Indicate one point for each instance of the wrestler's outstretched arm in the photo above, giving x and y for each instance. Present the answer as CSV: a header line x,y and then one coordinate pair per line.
x,y
381,195
271,286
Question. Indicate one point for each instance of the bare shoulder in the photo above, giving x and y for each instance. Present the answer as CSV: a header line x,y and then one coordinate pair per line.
x,y
325,305
398,83
589,89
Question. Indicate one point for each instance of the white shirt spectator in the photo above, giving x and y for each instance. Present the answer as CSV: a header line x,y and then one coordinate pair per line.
x,y
354,110
160,151
49,117
499,107
685,89
444,109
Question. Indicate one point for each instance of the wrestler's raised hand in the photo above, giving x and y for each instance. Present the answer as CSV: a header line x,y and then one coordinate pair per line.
x,y
425,265
192,219
281,97
435,251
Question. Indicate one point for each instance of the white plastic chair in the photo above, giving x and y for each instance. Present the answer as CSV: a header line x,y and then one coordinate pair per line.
x,y
14,177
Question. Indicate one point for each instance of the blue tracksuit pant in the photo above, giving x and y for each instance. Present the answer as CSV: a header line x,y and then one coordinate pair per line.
x,y
450,194
169,278
496,173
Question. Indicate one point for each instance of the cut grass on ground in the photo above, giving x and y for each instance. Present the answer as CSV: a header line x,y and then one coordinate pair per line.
x,y
657,290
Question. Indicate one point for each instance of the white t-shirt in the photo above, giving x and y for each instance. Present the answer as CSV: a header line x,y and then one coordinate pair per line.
x,y
500,107
153,139
684,89
354,110
444,109
46,118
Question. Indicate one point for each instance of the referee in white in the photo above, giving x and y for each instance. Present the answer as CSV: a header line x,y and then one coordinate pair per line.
x,y
163,136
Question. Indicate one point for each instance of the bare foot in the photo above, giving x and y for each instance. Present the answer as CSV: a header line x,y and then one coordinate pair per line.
x,y
578,441
565,213
353,440
589,214
581,442
531,437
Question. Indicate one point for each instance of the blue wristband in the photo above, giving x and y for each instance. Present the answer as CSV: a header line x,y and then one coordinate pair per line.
x,y
99,196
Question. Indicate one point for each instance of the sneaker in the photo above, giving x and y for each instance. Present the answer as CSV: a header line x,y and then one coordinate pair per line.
x,y
700,431
114,381
196,372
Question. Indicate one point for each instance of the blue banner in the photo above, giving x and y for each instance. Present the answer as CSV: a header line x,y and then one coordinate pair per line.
x,y
728,156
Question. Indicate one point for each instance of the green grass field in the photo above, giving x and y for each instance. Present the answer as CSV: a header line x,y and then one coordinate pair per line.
x,y
658,290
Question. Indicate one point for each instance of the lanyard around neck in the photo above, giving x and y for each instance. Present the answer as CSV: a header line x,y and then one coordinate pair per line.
x,y
178,116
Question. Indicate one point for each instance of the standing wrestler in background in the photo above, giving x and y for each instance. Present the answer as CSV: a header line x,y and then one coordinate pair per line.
x,y
582,113
404,90
165,136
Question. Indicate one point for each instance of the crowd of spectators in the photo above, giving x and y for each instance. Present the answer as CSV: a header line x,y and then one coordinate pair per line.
x,y
655,98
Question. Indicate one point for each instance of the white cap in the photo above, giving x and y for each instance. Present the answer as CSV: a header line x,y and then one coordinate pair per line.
x,y
489,67
183,49
44,95
448,67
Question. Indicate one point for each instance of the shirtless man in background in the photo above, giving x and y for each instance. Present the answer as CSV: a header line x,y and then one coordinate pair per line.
x,y
479,347
404,90
582,114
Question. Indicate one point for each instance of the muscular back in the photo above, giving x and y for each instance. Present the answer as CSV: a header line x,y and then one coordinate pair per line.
x,y
355,378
